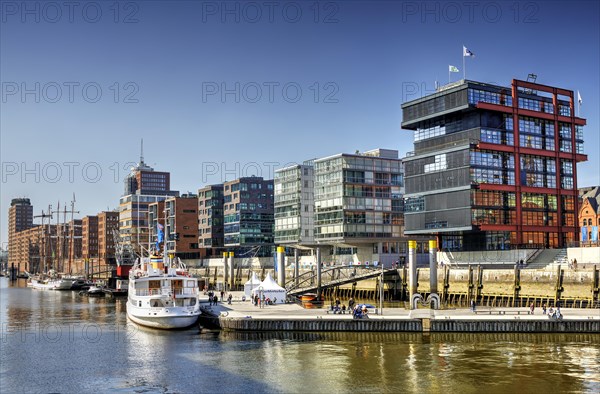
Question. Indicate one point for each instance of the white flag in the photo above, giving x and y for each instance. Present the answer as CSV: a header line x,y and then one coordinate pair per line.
x,y
579,100
452,69
466,52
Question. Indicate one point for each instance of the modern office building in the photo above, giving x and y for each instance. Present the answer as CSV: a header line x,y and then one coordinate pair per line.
x,y
143,186
248,215
589,217
20,217
294,205
179,216
493,167
359,205
210,220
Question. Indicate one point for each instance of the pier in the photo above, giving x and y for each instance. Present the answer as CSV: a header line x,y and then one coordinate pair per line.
x,y
243,316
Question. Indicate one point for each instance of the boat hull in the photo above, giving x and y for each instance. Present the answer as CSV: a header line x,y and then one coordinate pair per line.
x,y
165,322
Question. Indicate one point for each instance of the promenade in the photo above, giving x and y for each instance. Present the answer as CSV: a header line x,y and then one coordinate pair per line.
x,y
242,315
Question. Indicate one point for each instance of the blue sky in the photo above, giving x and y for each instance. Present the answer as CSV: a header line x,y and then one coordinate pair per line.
x,y
312,79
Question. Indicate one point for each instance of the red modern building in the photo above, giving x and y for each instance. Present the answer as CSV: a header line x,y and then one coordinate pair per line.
x,y
494,167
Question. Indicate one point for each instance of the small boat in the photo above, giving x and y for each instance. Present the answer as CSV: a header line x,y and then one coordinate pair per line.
x,y
93,291
96,291
162,296
119,289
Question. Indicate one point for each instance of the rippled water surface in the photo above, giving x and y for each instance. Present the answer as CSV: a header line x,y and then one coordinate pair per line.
x,y
62,342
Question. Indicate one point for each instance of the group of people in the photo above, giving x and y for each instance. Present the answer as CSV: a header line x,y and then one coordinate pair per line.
x,y
213,299
262,301
360,312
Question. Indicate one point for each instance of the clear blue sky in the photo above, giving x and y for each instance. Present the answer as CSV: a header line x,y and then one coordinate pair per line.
x,y
175,57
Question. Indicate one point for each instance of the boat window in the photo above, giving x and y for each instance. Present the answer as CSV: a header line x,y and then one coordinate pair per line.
x,y
191,283
155,303
192,301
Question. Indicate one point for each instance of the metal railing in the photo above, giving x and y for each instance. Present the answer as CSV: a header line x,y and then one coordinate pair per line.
x,y
333,275
168,292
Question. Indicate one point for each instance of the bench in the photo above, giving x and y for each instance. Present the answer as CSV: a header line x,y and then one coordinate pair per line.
x,y
341,312
501,312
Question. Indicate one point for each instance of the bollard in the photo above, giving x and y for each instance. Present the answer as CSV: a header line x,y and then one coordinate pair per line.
x,y
434,298
319,274
232,273
281,266
225,270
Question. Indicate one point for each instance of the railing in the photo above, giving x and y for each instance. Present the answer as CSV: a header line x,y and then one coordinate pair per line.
x,y
168,292
333,274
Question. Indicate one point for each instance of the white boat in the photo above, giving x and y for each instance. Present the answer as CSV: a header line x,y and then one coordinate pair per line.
x,y
162,297
50,281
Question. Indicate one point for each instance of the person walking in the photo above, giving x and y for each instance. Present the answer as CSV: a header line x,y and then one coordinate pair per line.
x,y
544,309
351,303
473,305
532,308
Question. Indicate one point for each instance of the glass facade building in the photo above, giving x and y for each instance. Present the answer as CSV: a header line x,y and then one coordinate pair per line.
x,y
248,219
294,205
358,198
493,167
210,218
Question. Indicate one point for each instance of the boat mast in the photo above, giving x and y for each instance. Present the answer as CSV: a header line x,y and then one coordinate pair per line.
x,y
72,228
64,232
57,256
42,254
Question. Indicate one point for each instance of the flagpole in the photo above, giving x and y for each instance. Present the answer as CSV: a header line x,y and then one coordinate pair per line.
x,y
464,68
448,74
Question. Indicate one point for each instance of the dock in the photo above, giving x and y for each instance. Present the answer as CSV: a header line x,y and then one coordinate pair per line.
x,y
243,316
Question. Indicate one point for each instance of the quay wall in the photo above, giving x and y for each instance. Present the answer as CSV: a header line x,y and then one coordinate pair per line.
x,y
576,284
411,325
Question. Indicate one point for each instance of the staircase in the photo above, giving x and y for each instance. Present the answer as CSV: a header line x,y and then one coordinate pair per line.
x,y
547,257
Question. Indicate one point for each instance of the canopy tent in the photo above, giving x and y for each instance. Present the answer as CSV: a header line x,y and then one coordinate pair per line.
x,y
271,290
251,284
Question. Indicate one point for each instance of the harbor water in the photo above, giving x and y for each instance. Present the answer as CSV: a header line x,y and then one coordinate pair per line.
x,y
62,342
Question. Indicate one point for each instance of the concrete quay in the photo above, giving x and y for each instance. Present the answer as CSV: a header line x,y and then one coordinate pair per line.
x,y
243,316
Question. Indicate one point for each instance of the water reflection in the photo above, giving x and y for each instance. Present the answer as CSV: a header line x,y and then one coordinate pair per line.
x,y
98,349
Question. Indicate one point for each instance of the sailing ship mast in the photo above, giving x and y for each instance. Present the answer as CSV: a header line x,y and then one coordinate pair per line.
x,y
72,229
43,241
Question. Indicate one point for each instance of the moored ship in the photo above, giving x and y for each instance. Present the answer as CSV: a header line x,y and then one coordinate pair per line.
x,y
162,296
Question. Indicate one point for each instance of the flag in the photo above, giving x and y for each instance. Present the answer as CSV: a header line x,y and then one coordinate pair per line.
x,y
452,69
579,100
160,236
467,53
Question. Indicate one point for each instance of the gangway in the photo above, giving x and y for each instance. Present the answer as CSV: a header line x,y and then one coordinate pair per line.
x,y
333,277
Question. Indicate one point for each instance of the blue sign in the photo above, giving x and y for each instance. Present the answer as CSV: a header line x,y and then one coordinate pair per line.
x,y
595,233
584,234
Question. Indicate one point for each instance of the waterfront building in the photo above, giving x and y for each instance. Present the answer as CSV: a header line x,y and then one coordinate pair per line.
x,y
89,237
589,217
179,216
248,216
143,186
294,205
493,167
358,206
108,224
210,220
20,217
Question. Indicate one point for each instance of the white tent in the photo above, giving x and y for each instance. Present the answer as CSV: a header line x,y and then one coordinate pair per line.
x,y
271,290
251,284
